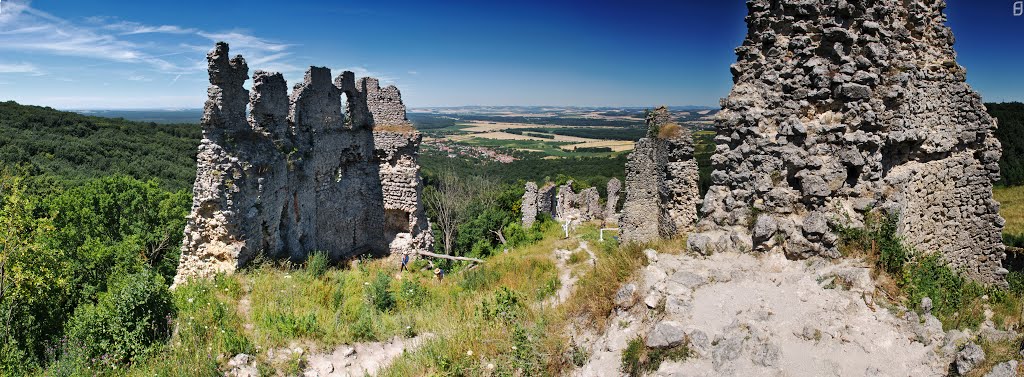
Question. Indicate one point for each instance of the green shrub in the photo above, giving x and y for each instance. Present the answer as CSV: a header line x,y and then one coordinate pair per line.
x,y
892,253
505,306
638,360
879,235
379,293
363,328
1015,280
131,316
549,288
411,294
525,359
956,300
317,263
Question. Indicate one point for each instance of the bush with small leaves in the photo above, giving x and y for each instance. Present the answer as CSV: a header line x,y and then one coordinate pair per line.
x,y
127,319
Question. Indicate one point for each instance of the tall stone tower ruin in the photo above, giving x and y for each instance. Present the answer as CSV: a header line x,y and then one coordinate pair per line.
x,y
302,172
841,107
661,182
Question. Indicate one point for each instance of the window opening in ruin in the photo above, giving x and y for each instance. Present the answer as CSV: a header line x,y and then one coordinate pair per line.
x,y
852,175
395,221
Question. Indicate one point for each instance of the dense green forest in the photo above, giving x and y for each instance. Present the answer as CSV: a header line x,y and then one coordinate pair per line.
x,y
1011,134
75,147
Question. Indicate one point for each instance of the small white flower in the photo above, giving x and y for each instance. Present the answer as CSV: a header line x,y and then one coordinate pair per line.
x,y
514,348
469,353
366,283
490,366
298,350
190,300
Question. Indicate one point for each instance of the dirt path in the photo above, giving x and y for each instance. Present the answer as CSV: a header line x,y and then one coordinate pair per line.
x,y
565,273
746,315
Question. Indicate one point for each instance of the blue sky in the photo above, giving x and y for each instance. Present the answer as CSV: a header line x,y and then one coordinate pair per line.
x,y
151,54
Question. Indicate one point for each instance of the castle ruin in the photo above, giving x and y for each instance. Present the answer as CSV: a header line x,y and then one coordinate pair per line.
x,y
661,183
299,173
841,108
564,204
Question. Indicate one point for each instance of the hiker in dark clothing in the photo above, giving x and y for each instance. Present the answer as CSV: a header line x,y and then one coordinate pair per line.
x,y
440,274
405,263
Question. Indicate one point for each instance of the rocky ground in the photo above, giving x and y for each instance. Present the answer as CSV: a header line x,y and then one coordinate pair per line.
x,y
747,315
360,359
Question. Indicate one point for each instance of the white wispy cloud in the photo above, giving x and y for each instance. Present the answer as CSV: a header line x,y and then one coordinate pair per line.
x,y
361,71
131,28
19,68
26,29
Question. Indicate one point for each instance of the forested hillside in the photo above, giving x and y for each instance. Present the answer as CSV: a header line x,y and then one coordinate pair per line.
x,y
1011,134
73,147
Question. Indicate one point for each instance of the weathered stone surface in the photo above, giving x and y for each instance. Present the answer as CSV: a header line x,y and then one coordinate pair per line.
x,y
969,358
611,211
840,107
296,175
626,296
563,205
529,205
666,334
566,207
1004,369
546,199
662,192
590,204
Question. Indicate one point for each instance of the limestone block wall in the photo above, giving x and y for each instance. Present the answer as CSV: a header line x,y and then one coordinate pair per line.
x,y
294,174
611,212
839,108
529,205
662,192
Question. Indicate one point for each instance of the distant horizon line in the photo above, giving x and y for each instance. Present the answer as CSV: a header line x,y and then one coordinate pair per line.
x,y
409,108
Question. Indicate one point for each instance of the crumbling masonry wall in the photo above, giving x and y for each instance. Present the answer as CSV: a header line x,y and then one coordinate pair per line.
x,y
839,108
295,174
563,204
662,191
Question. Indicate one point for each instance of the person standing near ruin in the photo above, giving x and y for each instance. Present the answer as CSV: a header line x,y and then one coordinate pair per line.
x,y
405,263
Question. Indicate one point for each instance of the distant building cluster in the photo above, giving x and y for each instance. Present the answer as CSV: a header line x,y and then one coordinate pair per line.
x,y
456,150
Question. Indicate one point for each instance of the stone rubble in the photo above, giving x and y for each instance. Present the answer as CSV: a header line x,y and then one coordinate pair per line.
x,y
662,189
840,108
295,173
764,315
562,203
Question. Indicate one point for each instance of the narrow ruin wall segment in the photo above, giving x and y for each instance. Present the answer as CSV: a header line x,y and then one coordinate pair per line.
x,y
661,183
301,172
839,108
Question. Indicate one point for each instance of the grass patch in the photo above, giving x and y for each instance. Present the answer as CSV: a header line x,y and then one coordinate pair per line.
x,y
490,315
595,291
908,276
1011,207
638,359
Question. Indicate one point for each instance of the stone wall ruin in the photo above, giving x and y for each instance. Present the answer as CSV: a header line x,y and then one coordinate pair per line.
x,y
842,107
301,172
562,203
662,189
